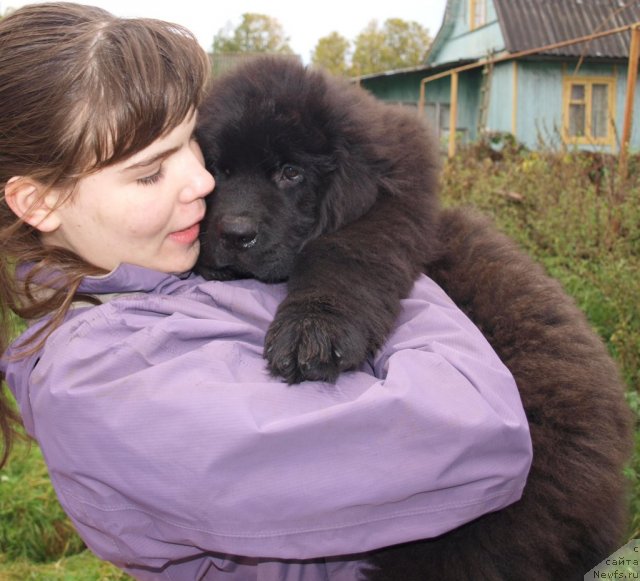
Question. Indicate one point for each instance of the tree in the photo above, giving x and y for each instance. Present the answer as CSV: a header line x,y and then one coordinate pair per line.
x,y
256,33
407,43
398,44
332,52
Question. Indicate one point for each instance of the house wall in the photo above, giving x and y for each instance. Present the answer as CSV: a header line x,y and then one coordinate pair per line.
x,y
400,88
405,89
526,99
499,117
469,103
538,116
464,43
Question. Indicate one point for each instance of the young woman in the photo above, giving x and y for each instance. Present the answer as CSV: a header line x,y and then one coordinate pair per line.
x,y
171,448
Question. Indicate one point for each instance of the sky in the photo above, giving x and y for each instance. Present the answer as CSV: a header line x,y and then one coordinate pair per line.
x,y
303,22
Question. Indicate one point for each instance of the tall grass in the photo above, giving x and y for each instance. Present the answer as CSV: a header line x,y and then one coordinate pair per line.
x,y
571,211
37,540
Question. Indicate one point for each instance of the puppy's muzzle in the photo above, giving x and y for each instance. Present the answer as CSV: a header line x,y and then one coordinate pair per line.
x,y
237,232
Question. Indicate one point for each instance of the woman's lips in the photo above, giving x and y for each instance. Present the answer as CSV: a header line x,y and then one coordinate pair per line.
x,y
187,236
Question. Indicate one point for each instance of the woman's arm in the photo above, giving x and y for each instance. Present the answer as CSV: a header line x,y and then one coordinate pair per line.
x,y
163,429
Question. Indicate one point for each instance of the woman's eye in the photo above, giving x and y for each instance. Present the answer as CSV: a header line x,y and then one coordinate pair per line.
x,y
152,179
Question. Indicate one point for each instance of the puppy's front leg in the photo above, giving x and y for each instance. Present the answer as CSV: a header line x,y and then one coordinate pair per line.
x,y
345,291
313,337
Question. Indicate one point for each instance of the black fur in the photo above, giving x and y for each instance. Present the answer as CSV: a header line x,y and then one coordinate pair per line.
x,y
321,185
296,156
574,510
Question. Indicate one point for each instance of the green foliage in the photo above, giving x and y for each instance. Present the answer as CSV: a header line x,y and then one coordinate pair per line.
x,y
37,540
573,213
633,470
32,523
397,44
257,33
331,53
81,567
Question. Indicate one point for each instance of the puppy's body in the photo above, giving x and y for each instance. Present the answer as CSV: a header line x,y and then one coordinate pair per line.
x,y
321,185
574,510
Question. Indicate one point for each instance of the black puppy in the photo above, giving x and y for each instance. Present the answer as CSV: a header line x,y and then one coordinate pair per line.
x,y
320,184
297,155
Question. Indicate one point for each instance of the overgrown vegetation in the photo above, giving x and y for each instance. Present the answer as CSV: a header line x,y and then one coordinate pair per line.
x,y
571,211
576,215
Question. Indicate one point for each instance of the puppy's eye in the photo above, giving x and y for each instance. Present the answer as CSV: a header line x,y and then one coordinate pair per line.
x,y
291,173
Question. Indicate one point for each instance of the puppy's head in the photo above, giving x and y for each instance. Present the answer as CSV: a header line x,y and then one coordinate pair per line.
x,y
283,146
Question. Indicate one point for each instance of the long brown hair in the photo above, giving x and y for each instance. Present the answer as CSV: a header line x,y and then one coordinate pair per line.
x,y
80,89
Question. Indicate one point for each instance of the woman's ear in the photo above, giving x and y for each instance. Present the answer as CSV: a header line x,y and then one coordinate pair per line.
x,y
29,200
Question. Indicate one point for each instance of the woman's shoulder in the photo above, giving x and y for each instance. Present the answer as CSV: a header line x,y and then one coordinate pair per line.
x,y
147,308
144,319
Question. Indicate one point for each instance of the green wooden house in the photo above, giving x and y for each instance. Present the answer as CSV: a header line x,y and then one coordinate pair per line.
x,y
511,66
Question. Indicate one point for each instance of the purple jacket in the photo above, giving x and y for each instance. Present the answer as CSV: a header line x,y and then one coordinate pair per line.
x,y
166,439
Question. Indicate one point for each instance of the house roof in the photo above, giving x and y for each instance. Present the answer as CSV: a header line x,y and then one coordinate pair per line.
x,y
527,24
448,22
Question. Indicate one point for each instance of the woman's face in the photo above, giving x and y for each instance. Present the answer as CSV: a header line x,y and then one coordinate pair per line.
x,y
144,211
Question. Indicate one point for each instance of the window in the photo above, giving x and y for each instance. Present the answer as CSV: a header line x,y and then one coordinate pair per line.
x,y
588,112
439,116
477,13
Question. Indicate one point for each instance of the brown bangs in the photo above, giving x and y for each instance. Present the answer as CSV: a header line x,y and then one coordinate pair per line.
x,y
143,79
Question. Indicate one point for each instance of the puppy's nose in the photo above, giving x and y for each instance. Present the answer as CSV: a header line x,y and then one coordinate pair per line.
x,y
237,232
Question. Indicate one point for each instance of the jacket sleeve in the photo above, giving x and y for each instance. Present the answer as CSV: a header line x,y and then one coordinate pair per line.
x,y
165,436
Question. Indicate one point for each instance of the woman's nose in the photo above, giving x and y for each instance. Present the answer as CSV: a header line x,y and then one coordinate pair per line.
x,y
200,182
203,182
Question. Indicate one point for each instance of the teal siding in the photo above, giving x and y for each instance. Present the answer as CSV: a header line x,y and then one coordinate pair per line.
x,y
401,88
471,45
464,43
469,103
438,99
499,111
438,91
539,113
539,86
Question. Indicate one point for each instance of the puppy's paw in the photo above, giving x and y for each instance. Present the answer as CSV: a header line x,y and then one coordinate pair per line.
x,y
312,344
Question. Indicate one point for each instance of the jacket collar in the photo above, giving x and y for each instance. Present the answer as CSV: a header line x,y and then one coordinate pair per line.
x,y
129,278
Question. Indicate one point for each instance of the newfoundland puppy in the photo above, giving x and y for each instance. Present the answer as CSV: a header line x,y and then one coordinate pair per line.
x,y
296,157
321,185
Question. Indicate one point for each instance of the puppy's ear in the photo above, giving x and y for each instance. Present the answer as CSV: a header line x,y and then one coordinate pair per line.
x,y
33,203
352,191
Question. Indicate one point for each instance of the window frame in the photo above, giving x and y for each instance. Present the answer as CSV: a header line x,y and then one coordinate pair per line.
x,y
473,22
567,101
